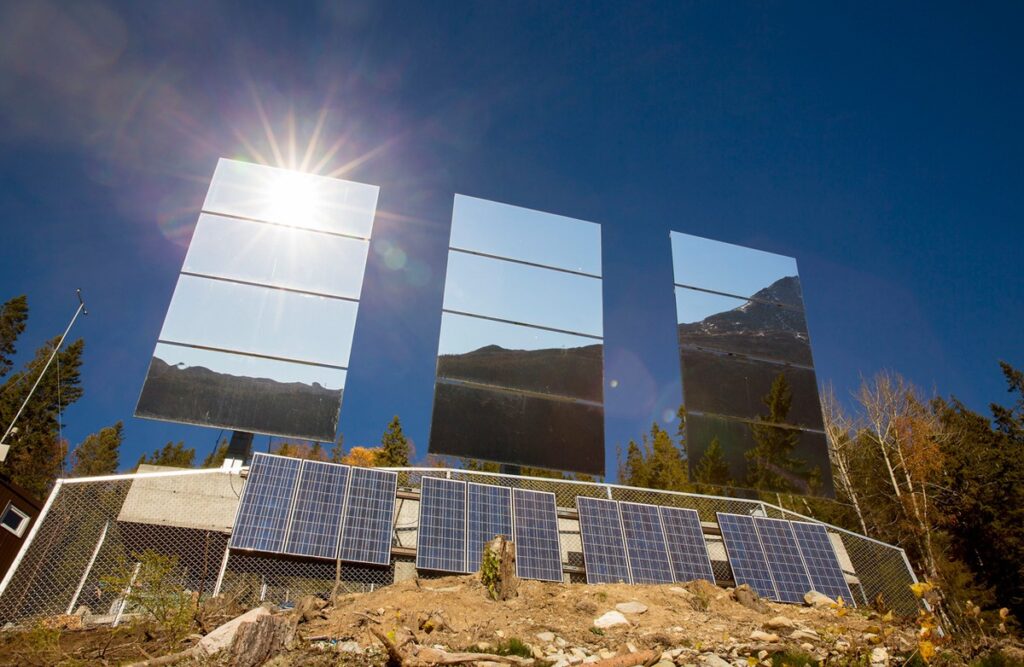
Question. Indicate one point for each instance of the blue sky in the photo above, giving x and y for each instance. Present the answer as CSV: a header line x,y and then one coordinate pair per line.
x,y
879,145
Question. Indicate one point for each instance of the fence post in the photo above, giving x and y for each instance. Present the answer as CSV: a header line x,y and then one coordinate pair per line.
x,y
223,567
88,568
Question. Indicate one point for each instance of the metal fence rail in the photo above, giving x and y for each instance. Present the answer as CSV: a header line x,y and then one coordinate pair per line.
x,y
91,528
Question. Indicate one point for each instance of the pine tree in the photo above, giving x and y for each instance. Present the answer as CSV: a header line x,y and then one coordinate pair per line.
x,y
337,450
215,459
395,447
666,468
99,453
37,453
712,469
13,316
772,466
173,454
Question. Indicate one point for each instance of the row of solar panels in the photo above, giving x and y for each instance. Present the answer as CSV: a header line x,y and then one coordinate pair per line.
x,y
316,509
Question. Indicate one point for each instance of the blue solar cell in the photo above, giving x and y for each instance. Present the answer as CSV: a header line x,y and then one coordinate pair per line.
x,y
645,544
535,532
784,560
604,548
263,511
490,515
316,518
369,513
686,546
746,555
441,535
821,560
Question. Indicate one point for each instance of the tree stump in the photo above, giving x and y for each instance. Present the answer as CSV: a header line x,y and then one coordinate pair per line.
x,y
258,641
498,570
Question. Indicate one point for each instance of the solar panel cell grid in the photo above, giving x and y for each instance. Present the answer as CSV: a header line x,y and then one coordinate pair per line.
x,y
645,544
441,535
263,512
316,518
369,513
687,549
822,563
535,532
604,550
784,560
490,514
745,554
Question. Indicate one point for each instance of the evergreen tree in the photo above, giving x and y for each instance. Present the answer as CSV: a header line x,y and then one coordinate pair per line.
x,y
712,469
395,447
215,459
337,450
37,453
666,468
772,466
13,316
99,453
173,454
634,472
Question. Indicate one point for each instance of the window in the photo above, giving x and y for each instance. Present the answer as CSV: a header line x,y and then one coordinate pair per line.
x,y
14,520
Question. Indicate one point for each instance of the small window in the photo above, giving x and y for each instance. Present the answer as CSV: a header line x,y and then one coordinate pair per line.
x,y
14,520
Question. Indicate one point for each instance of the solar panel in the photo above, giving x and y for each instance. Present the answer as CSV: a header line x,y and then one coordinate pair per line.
x,y
490,514
369,512
441,536
745,553
263,511
604,548
535,533
821,560
316,518
645,544
686,546
784,560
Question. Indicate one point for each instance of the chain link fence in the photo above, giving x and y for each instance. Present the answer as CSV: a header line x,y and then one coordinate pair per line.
x,y
90,528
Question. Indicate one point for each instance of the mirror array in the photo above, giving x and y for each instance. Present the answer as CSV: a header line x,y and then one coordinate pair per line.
x,y
520,356
316,509
753,413
782,560
259,330
633,543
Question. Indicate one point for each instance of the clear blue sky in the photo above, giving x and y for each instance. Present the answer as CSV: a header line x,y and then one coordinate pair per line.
x,y
879,145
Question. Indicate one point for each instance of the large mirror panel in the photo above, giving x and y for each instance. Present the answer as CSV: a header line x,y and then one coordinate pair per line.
x,y
517,428
519,233
754,328
275,255
523,294
519,357
732,453
738,387
260,320
292,198
733,269
235,391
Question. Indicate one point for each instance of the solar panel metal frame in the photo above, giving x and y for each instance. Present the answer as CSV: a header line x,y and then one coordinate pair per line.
x,y
362,551
257,529
819,557
332,513
542,571
645,558
785,561
487,521
688,556
736,549
604,557
437,513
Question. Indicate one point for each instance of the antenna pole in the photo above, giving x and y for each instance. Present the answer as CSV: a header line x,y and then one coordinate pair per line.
x,y
4,446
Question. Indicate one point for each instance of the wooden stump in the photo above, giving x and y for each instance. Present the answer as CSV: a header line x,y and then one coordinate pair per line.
x,y
498,571
257,642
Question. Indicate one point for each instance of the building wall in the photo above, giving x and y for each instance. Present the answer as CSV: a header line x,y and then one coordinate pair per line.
x,y
10,543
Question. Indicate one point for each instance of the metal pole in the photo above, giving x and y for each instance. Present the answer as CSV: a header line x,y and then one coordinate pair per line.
x,y
88,568
223,568
4,447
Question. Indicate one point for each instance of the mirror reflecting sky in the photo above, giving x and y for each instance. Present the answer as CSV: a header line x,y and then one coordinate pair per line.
x,y
728,268
532,236
292,198
272,254
260,320
524,294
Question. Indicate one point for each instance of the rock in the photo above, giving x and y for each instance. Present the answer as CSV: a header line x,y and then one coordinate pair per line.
x,y
610,619
221,637
674,653
483,647
682,591
545,636
537,653
561,663
578,653
664,663
871,638
632,607
712,660
630,647
607,653
747,597
879,656
83,611
350,647
762,636
560,643
807,647
803,633
586,607
499,633
780,623
818,600
590,659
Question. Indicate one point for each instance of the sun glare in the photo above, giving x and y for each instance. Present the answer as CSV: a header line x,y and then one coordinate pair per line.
x,y
292,197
